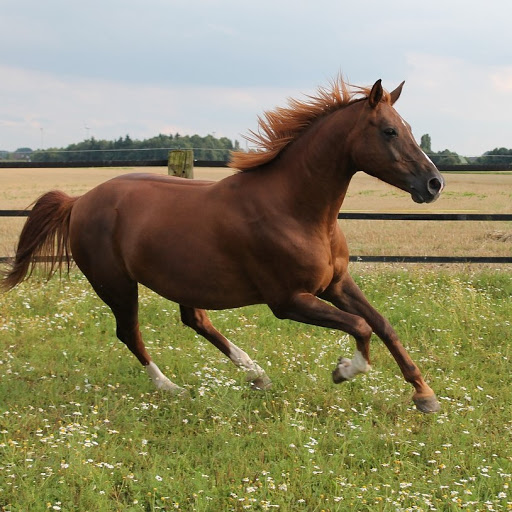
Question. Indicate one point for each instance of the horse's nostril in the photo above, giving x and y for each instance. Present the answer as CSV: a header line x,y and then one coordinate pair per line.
x,y
434,186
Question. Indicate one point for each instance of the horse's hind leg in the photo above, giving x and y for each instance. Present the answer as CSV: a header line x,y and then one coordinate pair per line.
x,y
198,320
120,293
126,314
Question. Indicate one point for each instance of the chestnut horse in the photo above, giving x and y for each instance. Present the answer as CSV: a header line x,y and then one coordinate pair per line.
x,y
266,235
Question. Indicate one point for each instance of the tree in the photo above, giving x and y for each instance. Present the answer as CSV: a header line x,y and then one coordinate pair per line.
x,y
496,156
426,143
445,157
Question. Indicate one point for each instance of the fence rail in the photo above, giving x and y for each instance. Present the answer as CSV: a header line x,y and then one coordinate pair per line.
x,y
489,217
389,216
8,164
342,215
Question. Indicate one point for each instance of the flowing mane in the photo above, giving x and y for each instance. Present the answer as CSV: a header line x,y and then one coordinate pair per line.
x,y
277,128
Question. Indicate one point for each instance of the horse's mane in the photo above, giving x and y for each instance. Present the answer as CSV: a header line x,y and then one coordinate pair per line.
x,y
277,128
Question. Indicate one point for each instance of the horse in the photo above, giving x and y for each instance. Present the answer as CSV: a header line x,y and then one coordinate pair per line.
x,y
267,234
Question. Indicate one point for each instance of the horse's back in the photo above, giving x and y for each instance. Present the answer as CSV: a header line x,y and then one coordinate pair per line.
x,y
140,193
162,178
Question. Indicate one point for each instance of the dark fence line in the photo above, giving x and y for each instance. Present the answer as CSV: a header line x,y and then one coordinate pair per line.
x,y
474,167
6,164
389,216
385,259
342,215
431,259
490,217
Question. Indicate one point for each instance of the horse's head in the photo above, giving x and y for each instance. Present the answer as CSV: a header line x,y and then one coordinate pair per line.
x,y
383,146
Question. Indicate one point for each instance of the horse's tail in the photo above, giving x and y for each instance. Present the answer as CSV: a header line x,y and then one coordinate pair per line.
x,y
44,237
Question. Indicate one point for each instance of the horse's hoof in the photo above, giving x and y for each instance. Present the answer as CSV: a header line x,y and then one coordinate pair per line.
x,y
182,393
262,383
427,404
337,377
173,389
338,374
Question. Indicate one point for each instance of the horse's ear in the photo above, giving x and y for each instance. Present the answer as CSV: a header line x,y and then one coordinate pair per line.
x,y
396,93
376,94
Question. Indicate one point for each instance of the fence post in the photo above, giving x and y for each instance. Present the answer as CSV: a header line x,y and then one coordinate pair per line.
x,y
181,163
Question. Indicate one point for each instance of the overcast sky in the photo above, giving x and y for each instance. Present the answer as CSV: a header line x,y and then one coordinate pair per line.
x,y
106,68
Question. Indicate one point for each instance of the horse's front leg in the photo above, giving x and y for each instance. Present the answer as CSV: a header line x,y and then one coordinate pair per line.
x,y
347,296
307,308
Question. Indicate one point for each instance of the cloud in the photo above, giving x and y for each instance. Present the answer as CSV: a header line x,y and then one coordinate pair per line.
x,y
47,110
204,66
502,80
464,105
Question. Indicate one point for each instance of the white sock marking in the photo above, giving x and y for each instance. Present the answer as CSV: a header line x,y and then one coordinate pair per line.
x,y
160,380
360,363
242,360
349,368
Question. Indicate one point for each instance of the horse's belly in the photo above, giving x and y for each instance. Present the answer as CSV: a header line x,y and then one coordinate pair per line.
x,y
193,270
204,288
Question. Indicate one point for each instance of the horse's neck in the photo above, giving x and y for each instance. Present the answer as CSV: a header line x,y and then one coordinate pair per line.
x,y
317,170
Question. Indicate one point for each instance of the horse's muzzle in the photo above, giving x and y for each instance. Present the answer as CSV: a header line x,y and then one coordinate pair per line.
x,y
434,186
428,192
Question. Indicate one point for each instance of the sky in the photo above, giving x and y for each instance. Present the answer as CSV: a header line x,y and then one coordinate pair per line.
x,y
73,70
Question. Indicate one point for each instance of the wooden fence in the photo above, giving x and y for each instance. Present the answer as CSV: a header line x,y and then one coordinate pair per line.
x,y
349,216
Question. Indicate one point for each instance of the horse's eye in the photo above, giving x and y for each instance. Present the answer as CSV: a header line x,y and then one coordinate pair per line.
x,y
391,132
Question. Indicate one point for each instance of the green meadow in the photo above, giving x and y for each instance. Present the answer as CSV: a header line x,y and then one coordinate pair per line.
x,y
83,429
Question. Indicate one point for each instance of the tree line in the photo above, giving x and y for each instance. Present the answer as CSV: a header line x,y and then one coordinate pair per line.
x,y
447,157
128,149
205,148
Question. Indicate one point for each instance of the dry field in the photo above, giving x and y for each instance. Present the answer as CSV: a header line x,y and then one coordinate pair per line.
x,y
464,193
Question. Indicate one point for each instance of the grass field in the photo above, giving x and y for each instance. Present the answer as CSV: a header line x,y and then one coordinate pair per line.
x,y
82,428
